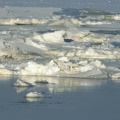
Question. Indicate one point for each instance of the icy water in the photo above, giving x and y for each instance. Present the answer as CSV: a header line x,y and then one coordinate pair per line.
x,y
72,99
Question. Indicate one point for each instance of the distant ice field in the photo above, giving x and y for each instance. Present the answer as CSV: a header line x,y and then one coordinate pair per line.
x,y
67,42
109,5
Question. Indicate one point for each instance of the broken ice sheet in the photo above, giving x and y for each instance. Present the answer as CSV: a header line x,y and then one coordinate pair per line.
x,y
39,48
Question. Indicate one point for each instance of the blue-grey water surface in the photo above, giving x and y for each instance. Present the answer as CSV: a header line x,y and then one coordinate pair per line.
x,y
85,100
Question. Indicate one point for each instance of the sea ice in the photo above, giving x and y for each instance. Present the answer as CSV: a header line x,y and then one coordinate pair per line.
x,y
34,95
61,66
57,36
21,83
58,45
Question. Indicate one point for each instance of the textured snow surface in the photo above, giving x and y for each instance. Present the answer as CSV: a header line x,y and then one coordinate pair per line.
x,y
64,42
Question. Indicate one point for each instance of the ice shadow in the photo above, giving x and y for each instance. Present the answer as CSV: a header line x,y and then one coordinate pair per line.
x,y
68,40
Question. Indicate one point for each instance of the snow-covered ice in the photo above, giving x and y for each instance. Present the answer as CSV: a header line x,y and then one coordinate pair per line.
x,y
59,42
21,83
34,95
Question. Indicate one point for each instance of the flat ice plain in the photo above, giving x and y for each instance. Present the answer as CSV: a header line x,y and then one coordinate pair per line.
x,y
47,48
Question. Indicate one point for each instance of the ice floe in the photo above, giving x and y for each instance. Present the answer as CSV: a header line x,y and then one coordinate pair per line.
x,y
64,67
57,42
34,95
56,37
21,83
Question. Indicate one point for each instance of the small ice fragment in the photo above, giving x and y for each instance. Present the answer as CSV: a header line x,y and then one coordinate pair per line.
x,y
116,76
20,83
34,95
65,59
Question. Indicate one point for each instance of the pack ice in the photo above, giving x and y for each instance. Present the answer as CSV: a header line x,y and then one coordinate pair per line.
x,y
58,43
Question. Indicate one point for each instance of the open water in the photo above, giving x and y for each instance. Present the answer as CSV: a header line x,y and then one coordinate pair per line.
x,y
72,99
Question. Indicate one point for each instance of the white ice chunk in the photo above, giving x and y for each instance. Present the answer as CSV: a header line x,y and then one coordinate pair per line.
x,y
113,17
85,62
98,64
79,22
75,34
21,21
38,38
34,95
86,68
116,76
21,83
65,59
29,41
56,37
3,32
85,36
52,68
91,51
35,68
70,53
32,68
2,66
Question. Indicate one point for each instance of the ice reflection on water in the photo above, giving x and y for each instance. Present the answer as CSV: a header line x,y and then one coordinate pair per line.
x,y
57,85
